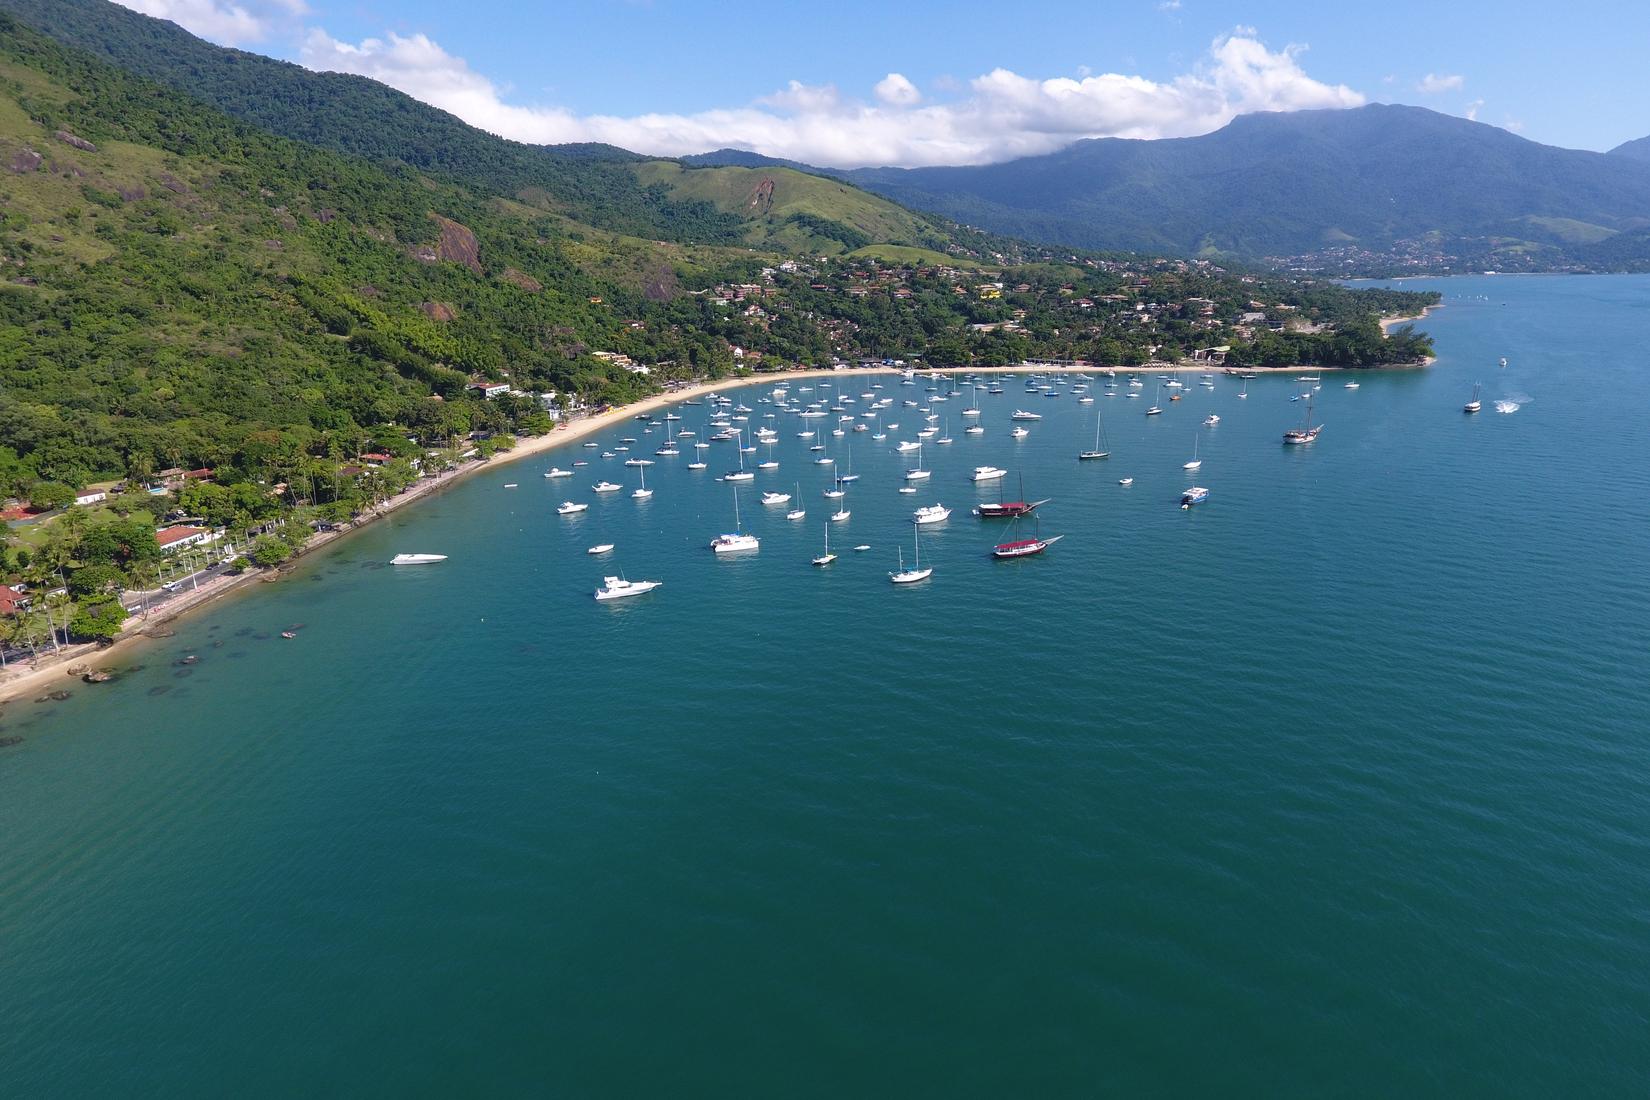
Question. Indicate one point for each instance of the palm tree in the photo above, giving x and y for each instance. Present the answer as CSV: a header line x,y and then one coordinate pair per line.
x,y
144,575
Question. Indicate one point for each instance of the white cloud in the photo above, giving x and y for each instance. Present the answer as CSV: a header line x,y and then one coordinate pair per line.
x,y
999,115
1473,108
1433,83
1513,125
223,21
1168,5
896,91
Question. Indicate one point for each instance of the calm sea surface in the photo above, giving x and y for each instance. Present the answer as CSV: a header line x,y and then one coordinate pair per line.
x,y
1336,785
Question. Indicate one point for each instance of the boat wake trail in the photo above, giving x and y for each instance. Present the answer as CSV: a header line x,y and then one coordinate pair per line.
x,y
1506,406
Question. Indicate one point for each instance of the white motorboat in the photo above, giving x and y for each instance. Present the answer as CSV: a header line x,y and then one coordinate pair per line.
x,y
987,473
557,471
605,487
417,559
617,588
934,513
776,498
568,508
1021,414
601,548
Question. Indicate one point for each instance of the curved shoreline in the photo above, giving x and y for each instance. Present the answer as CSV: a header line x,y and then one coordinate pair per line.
x,y
50,671
1389,323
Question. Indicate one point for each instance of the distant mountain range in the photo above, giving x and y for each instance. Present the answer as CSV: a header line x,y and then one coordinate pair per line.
x,y
1638,149
1376,187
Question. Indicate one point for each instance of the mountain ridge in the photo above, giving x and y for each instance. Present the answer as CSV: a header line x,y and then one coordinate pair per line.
x,y
1381,178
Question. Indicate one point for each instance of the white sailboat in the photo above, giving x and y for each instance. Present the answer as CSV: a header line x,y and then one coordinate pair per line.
x,y
918,474
740,474
1099,434
1196,462
841,512
738,540
798,512
916,572
827,557
643,493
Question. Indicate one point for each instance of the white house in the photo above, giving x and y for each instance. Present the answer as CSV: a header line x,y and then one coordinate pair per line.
x,y
181,536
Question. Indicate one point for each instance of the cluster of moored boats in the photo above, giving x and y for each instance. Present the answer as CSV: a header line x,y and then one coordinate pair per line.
x,y
823,417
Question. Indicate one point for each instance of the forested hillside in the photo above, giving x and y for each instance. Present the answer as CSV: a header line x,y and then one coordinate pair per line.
x,y
597,185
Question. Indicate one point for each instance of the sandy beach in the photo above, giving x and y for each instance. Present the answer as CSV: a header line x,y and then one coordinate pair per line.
x,y
1390,323
52,670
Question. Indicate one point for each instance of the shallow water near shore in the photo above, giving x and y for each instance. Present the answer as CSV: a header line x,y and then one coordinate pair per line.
x,y
1338,783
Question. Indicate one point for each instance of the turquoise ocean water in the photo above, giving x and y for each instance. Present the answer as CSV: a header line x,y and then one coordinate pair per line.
x,y
1336,785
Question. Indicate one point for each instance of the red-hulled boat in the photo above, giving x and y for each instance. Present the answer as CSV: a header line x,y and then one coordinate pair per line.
x,y
1009,509
1023,548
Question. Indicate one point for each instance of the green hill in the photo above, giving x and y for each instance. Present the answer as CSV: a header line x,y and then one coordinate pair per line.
x,y
178,283
597,185
792,211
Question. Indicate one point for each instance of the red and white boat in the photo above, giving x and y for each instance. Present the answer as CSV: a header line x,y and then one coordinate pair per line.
x,y
1009,509
1023,548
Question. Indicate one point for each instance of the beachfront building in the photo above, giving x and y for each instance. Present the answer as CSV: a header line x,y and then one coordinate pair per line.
x,y
183,536
13,598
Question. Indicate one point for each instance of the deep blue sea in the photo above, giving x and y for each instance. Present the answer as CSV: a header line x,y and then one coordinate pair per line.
x,y
1338,784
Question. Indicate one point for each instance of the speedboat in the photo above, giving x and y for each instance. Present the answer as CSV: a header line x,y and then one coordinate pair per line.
x,y
987,473
1125,481
568,508
1021,414
557,471
616,588
776,498
1211,420
417,559
600,548
1019,433
605,487
1197,494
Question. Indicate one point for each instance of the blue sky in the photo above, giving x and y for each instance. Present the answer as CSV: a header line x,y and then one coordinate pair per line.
x,y
848,82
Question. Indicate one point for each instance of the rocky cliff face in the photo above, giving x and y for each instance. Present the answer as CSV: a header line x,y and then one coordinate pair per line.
x,y
457,244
